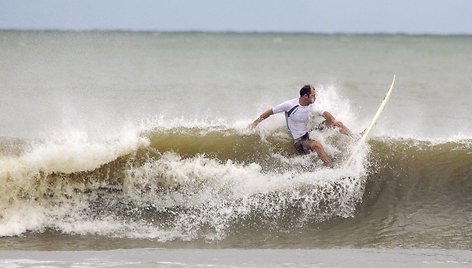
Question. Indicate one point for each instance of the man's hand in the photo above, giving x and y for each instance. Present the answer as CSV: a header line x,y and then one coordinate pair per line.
x,y
252,125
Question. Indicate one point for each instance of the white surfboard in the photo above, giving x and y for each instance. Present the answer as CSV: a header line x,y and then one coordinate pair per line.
x,y
366,134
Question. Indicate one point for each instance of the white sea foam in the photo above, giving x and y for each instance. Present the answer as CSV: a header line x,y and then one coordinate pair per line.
x,y
214,193
24,183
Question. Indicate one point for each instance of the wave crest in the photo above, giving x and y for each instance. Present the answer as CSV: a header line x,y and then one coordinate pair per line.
x,y
191,183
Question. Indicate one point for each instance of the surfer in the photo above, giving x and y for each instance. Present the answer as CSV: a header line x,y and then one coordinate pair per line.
x,y
297,113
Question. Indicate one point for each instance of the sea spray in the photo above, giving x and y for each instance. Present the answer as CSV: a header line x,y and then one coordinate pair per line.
x,y
179,196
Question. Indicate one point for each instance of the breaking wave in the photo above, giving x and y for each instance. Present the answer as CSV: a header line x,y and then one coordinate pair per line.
x,y
188,183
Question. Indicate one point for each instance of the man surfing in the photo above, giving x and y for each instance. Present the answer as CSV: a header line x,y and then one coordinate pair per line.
x,y
297,113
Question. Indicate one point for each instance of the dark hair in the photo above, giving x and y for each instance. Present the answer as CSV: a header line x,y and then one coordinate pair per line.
x,y
306,89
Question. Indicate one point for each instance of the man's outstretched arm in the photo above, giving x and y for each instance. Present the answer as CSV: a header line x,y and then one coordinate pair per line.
x,y
263,116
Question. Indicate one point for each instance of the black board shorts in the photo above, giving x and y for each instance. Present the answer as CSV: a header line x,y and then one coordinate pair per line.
x,y
302,144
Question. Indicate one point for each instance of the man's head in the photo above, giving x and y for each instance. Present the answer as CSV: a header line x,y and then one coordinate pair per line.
x,y
308,94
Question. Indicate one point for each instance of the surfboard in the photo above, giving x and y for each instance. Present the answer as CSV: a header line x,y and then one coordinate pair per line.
x,y
367,132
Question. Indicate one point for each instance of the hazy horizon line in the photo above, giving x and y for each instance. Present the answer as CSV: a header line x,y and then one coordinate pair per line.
x,y
360,33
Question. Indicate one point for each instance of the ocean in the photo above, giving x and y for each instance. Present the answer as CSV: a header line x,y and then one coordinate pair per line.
x,y
133,149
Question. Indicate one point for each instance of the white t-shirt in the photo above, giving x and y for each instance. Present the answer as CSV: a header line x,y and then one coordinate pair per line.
x,y
297,116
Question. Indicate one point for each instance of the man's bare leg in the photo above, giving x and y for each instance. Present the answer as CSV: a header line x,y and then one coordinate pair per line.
x,y
318,148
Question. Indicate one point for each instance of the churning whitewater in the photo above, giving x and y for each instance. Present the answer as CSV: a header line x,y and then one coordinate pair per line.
x,y
193,183
177,183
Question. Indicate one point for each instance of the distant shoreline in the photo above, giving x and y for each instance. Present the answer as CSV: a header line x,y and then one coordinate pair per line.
x,y
235,32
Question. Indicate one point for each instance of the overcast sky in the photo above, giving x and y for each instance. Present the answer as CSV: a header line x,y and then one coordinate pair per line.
x,y
329,16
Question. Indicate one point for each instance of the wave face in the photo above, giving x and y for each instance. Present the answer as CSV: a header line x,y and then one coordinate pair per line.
x,y
222,184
